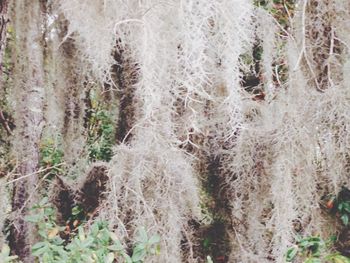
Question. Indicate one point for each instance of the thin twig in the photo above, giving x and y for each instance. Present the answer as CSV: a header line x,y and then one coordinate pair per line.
x,y
37,172
303,28
5,123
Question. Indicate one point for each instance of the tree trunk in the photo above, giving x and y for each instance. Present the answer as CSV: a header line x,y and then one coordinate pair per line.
x,y
3,23
29,85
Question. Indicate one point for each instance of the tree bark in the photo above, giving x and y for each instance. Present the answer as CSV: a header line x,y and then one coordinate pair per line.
x,y
3,24
29,84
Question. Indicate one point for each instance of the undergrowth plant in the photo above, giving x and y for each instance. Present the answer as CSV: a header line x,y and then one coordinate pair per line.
x,y
5,256
100,132
51,156
90,244
313,249
339,205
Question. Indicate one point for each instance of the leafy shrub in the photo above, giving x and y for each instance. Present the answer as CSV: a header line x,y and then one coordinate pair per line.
x,y
340,205
5,256
95,245
101,135
344,211
51,156
313,249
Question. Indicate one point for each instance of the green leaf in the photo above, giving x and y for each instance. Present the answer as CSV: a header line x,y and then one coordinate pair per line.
x,y
158,250
88,242
340,206
206,242
340,259
76,210
114,237
40,251
345,219
87,258
154,239
315,239
298,238
42,233
313,260
33,218
332,239
81,233
38,245
10,258
304,244
43,201
291,254
347,207
109,258
142,235
127,258
117,246
94,229
139,253
5,250
60,250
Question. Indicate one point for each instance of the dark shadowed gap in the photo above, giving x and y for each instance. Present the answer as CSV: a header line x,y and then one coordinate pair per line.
x,y
125,74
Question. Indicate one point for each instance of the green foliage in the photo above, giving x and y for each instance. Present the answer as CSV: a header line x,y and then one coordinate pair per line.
x,y
95,245
101,136
51,156
5,256
100,131
281,10
262,3
7,123
51,247
292,252
7,62
343,209
340,205
337,258
314,249
207,242
309,247
145,246
77,213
